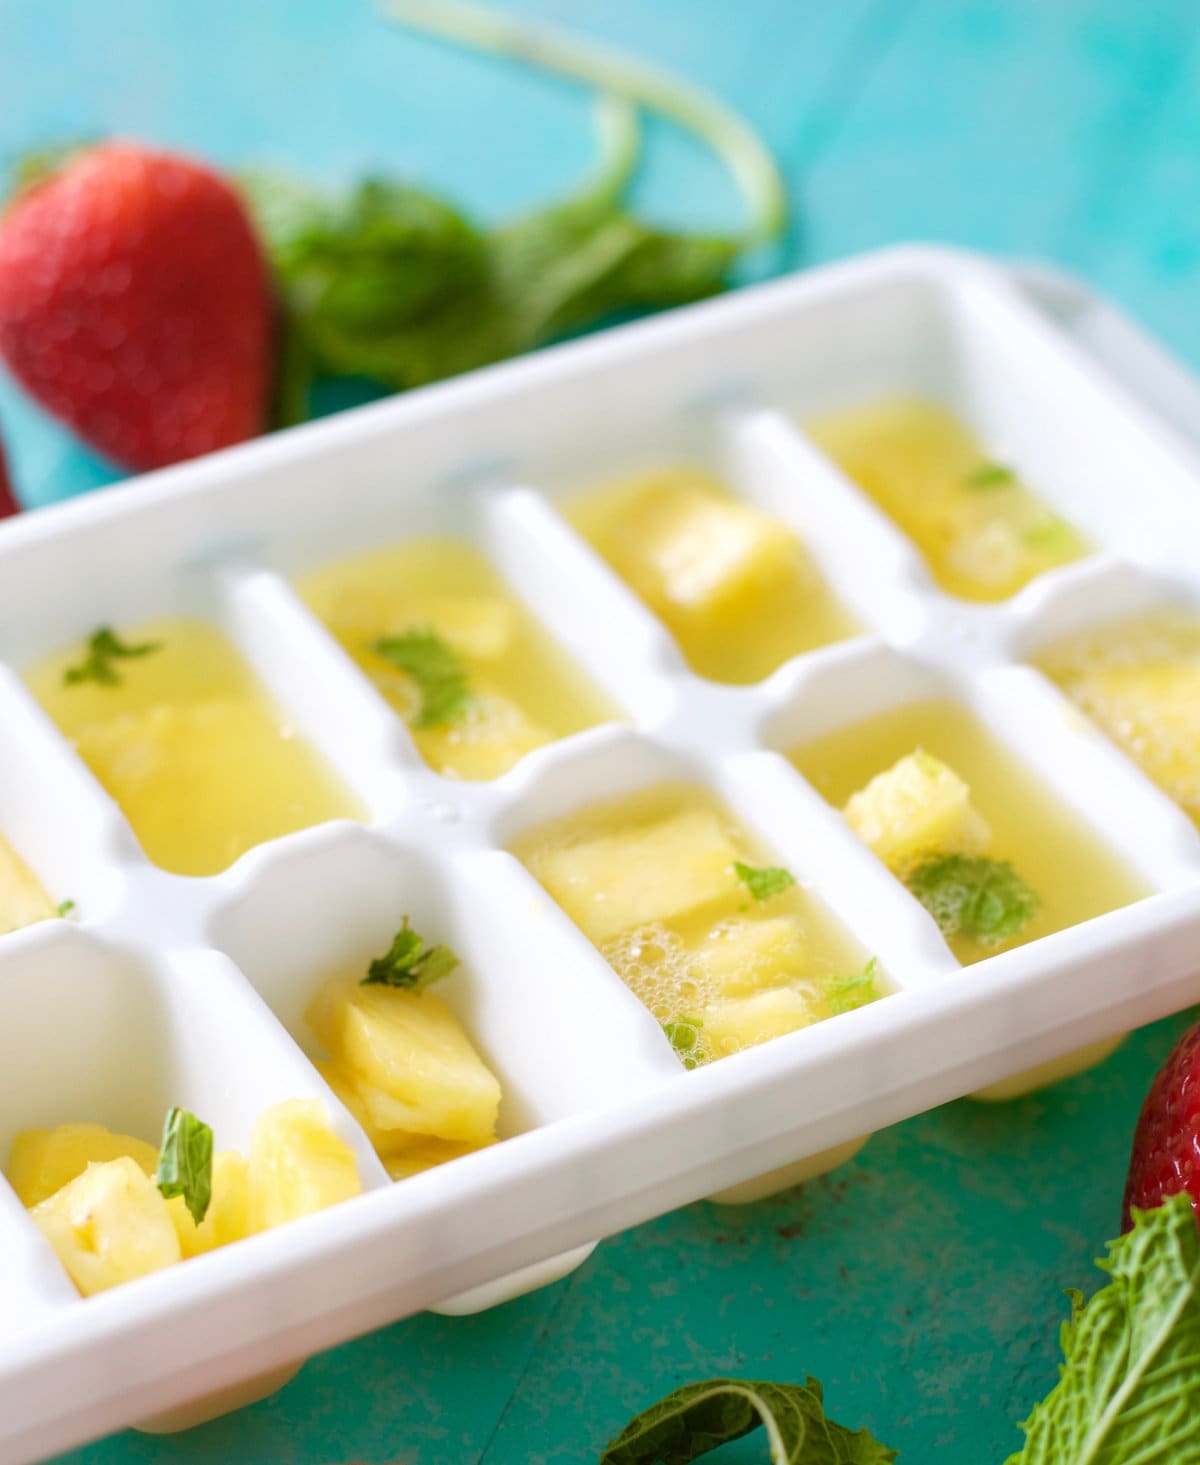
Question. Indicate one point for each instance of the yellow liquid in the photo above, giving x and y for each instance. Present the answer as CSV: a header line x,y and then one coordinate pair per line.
x,y
1139,680
202,761
1074,875
525,692
649,879
22,899
983,533
736,588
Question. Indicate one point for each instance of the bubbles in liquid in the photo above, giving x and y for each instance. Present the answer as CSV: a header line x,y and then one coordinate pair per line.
x,y
659,970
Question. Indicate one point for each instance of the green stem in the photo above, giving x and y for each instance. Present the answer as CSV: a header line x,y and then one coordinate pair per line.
x,y
611,71
620,137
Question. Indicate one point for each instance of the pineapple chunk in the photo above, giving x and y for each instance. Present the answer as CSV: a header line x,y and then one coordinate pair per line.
x,y
1153,711
914,808
424,1155
42,1161
414,1069
297,1165
614,882
204,781
351,1090
341,1081
741,1022
227,1217
992,552
685,547
22,899
739,956
109,1225
490,736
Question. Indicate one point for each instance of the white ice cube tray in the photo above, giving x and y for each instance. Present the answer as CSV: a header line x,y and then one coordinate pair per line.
x,y
170,990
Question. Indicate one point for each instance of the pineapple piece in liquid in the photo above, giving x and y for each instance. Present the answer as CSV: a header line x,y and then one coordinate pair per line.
x,y
1067,864
202,761
650,880
983,532
736,588
1138,679
525,691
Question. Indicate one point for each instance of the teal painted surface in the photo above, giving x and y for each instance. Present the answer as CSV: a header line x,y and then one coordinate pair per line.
x,y
923,1282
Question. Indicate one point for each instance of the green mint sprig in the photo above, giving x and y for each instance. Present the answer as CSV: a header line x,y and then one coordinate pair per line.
x,y
409,963
969,895
765,881
185,1162
103,648
437,669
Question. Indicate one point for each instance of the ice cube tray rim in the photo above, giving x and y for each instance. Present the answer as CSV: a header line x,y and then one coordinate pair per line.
x,y
1168,914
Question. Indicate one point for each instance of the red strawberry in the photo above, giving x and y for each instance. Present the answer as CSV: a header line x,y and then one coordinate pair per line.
x,y
8,499
135,305
1166,1144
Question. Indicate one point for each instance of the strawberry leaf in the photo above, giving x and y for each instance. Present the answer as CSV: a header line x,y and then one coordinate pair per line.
x,y
700,1418
1128,1385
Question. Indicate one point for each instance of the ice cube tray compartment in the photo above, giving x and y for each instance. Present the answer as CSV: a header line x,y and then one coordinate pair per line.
x,y
967,348
554,1032
328,909
98,1031
610,1131
774,805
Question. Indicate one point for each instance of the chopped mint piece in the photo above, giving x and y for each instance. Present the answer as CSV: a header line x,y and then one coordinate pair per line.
x,y
766,882
185,1162
968,895
1055,536
437,670
409,963
65,908
847,993
105,647
687,1039
990,475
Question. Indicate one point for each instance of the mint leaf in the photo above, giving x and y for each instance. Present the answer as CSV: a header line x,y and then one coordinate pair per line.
x,y
437,670
990,475
391,284
65,909
699,1418
387,282
185,1162
587,260
1054,536
105,647
1132,1356
687,1039
409,963
968,895
846,993
765,882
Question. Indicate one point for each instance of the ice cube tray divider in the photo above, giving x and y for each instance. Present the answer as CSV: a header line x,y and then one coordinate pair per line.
x,y
71,836
606,1128
574,594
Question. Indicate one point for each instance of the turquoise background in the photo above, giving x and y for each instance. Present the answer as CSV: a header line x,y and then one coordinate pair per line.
x,y
922,1283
